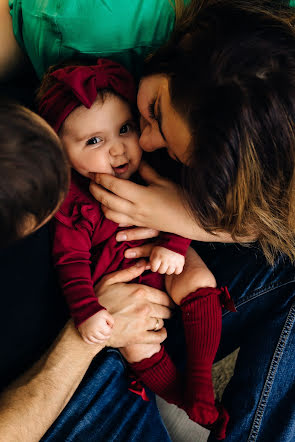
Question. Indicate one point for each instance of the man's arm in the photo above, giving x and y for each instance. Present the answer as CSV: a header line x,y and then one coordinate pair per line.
x,y
11,55
32,403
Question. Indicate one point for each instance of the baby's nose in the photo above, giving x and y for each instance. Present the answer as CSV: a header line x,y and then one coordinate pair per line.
x,y
117,148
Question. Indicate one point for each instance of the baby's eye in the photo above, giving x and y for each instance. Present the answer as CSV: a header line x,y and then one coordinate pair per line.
x,y
94,140
125,128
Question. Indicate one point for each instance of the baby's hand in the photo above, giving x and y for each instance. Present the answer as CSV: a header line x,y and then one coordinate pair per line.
x,y
98,328
163,260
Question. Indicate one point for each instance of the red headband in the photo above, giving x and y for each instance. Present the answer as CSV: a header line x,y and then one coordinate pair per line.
x,y
79,84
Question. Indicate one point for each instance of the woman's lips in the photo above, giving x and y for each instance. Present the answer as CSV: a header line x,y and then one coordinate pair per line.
x,y
121,169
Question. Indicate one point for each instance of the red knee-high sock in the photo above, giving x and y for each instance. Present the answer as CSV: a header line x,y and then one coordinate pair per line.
x,y
160,375
201,313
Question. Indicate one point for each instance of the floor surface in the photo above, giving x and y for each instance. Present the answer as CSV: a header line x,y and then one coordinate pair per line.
x,y
179,426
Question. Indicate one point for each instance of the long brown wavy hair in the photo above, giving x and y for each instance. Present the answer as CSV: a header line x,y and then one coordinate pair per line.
x,y
231,69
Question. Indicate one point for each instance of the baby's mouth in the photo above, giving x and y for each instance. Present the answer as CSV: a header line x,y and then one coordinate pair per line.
x,y
121,169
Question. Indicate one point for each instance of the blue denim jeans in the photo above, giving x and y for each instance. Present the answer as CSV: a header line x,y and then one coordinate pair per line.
x,y
103,409
260,396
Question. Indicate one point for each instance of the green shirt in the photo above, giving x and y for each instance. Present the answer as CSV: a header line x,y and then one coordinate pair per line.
x,y
124,30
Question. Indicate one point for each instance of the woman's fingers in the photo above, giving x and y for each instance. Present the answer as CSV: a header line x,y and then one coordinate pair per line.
x,y
120,187
125,275
136,233
117,217
139,252
109,194
116,186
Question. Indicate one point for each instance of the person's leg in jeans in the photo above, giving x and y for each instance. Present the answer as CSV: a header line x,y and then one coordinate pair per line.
x,y
260,395
103,409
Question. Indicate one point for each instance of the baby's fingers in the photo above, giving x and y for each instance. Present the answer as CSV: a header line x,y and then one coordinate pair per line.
x,y
105,332
170,270
93,340
155,265
163,268
116,217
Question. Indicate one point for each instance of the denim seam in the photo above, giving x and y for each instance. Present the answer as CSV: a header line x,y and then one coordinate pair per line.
x,y
272,373
257,293
115,350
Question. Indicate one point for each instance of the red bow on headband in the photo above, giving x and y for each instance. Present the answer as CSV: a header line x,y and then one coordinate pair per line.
x,y
79,84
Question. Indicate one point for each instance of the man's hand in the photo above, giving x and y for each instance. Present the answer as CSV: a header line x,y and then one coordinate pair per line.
x,y
138,352
134,307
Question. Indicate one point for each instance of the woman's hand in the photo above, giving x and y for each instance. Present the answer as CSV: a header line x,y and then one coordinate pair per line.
x,y
136,308
159,205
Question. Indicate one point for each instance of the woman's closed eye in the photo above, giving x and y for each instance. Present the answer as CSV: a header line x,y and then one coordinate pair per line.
x,y
151,109
93,140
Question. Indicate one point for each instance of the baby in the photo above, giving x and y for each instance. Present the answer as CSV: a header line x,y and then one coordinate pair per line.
x,y
92,109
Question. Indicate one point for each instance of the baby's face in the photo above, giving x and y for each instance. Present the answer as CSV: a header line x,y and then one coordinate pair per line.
x,y
102,139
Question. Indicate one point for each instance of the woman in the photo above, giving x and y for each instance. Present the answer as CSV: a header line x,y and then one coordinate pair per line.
x,y
221,186
220,98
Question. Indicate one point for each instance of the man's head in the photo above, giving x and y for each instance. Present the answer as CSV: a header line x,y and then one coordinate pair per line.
x,y
33,172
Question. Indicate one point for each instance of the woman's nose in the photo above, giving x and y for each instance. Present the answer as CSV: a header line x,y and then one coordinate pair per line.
x,y
144,139
150,138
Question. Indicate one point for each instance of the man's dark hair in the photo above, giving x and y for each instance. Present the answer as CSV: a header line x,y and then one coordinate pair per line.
x,y
34,173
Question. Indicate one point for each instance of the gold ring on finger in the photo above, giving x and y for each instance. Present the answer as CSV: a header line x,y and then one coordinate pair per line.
x,y
157,326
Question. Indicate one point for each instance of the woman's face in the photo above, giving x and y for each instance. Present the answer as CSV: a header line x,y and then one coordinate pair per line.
x,y
161,126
